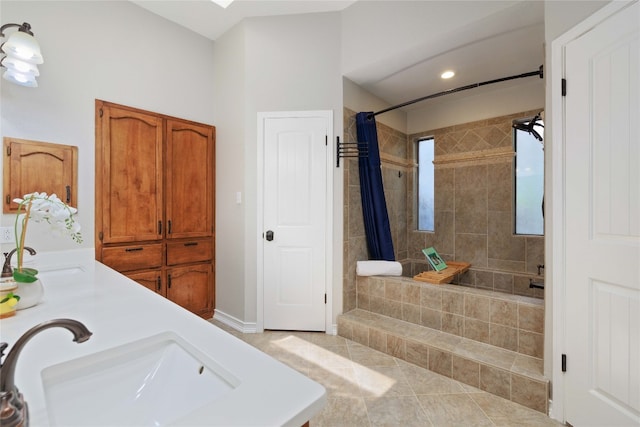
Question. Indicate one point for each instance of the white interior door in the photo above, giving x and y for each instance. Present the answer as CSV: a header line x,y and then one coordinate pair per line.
x,y
295,222
602,196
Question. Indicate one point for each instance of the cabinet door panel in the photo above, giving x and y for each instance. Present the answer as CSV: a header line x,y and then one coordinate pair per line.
x,y
189,179
190,287
31,166
149,279
131,175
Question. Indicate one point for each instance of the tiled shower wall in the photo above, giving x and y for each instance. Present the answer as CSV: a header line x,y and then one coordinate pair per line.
x,y
393,152
473,206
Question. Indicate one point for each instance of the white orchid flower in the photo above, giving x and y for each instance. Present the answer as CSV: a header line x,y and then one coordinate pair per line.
x,y
39,207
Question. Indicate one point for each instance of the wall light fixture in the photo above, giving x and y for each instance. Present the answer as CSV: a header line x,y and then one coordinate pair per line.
x,y
22,55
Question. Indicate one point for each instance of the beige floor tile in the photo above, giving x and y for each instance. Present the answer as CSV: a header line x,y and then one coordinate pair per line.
x,y
529,366
342,412
505,413
369,388
330,356
382,381
339,382
491,355
423,381
325,340
368,357
396,411
453,410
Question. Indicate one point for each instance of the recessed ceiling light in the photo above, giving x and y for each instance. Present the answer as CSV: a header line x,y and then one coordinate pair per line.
x,y
447,74
223,3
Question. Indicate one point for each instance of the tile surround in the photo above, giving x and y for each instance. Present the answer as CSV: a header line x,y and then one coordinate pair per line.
x,y
473,218
473,204
512,322
482,338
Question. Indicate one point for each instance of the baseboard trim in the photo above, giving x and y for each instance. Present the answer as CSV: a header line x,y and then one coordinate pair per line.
x,y
235,323
334,329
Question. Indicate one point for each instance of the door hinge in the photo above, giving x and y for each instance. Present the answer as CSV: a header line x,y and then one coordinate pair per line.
x,y
326,140
100,236
564,87
564,363
101,112
325,298
8,151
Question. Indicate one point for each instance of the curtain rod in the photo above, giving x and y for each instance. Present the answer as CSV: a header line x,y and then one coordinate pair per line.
x,y
459,89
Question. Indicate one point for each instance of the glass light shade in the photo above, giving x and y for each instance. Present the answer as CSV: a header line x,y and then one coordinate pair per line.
x,y
20,78
23,67
23,46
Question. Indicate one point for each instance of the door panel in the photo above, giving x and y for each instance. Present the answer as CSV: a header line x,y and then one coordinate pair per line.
x,y
190,287
602,235
189,176
149,279
132,181
295,185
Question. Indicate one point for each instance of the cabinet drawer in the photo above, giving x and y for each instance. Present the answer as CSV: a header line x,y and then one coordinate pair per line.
x,y
133,257
189,251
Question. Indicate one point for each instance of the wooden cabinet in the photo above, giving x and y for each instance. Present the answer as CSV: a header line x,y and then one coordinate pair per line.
x,y
155,192
31,166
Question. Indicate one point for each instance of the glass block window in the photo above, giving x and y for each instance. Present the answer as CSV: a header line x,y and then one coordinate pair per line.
x,y
426,188
529,181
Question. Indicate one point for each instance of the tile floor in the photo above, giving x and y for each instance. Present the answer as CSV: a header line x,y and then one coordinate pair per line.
x,y
369,388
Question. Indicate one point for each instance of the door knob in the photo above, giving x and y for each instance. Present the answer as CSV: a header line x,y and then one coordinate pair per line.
x,y
269,236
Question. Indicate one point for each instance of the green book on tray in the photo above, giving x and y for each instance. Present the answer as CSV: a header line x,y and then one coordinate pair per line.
x,y
434,259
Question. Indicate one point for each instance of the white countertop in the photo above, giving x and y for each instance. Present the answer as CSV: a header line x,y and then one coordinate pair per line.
x,y
119,311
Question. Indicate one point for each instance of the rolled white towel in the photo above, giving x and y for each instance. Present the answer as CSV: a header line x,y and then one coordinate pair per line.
x,y
378,268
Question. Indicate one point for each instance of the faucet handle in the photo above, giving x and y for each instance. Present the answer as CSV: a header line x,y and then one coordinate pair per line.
x,y
7,271
13,409
3,347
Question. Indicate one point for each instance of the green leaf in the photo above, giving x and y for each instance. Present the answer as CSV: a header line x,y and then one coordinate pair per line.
x,y
27,275
9,296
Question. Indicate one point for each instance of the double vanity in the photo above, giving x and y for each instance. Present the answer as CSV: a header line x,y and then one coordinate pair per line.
x,y
148,361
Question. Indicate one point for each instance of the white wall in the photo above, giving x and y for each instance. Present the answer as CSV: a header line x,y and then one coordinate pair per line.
x,y
289,63
527,94
113,51
230,171
359,100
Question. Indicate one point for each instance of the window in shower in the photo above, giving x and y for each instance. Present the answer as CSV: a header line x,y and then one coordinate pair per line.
x,y
529,181
425,184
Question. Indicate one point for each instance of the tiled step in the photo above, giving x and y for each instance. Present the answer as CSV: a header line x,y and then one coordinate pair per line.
x,y
505,373
512,322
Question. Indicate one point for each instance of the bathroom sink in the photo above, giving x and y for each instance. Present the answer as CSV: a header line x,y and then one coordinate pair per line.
x,y
150,382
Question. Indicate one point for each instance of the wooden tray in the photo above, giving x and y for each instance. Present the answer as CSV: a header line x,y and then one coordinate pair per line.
x,y
443,276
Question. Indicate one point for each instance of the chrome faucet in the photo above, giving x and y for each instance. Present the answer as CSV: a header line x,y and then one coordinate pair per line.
x,y
13,407
7,271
